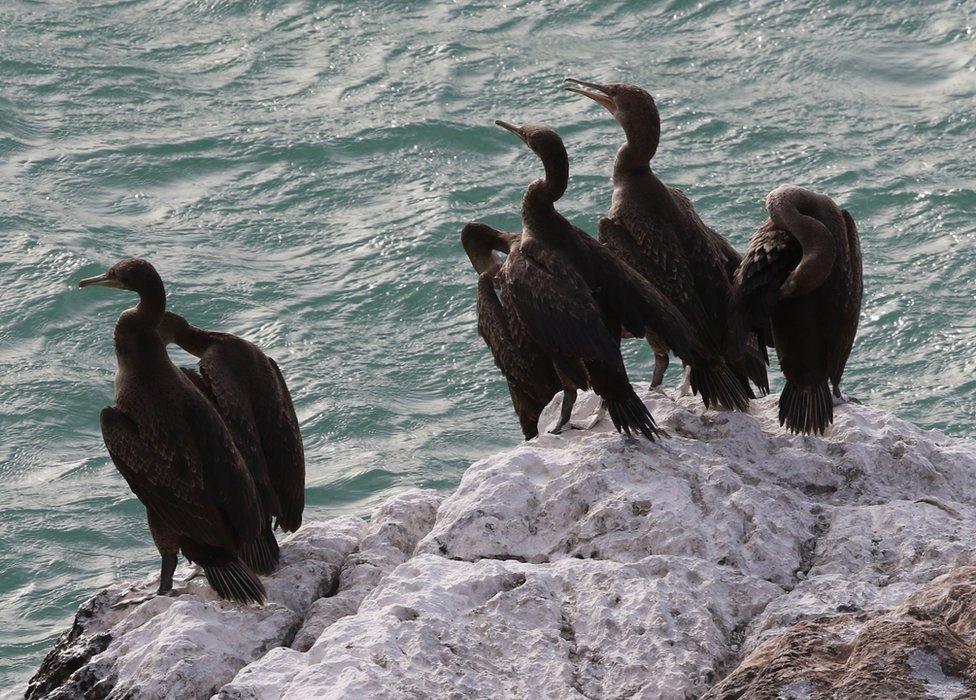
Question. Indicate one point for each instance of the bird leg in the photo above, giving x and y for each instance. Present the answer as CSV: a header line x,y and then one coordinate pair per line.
x,y
660,367
569,398
840,398
166,569
685,388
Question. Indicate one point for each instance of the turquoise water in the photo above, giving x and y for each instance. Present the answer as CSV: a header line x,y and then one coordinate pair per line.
x,y
299,172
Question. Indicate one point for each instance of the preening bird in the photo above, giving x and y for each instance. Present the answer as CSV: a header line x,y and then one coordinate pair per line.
x,y
801,277
531,377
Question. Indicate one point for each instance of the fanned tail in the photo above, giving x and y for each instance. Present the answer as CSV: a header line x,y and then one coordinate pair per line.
x,y
629,415
806,409
234,581
719,385
261,555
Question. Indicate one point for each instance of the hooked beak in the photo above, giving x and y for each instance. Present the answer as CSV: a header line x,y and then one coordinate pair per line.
x,y
511,127
101,281
602,97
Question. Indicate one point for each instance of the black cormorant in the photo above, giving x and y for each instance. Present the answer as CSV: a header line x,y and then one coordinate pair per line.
x,y
174,449
656,229
252,397
532,380
575,297
802,277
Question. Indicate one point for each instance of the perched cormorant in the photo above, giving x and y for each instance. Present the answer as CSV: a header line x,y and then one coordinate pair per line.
x,y
251,396
655,228
802,277
574,297
174,450
532,380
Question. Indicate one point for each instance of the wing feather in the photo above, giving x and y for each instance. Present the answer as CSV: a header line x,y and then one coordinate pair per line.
x,y
169,490
771,256
520,360
558,312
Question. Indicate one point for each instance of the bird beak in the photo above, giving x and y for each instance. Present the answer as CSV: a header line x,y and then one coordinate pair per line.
x,y
602,97
101,281
511,127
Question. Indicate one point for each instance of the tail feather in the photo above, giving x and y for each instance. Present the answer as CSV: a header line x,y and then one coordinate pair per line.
x,y
719,385
234,581
629,415
754,362
806,409
261,554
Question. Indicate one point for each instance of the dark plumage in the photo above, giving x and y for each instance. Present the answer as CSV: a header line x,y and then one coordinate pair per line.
x,y
655,228
531,377
573,297
801,277
174,450
249,392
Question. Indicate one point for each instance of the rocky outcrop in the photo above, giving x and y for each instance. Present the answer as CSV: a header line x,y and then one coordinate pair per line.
x,y
732,561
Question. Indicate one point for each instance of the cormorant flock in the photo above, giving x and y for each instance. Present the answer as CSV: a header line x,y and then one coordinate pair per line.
x,y
554,310
216,455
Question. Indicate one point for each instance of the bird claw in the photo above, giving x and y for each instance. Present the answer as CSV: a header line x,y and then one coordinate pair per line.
x,y
844,398
659,390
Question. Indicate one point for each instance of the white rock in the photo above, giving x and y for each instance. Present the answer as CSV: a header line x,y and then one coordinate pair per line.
x,y
589,565
390,539
192,644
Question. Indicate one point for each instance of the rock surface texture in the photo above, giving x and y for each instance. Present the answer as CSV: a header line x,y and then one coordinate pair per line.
x,y
732,561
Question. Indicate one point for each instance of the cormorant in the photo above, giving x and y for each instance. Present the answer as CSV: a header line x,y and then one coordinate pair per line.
x,y
655,228
174,450
574,297
802,276
250,393
531,377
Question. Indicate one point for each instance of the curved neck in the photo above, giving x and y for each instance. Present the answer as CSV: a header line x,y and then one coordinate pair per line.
x,y
152,303
194,340
819,250
480,241
543,193
643,137
808,217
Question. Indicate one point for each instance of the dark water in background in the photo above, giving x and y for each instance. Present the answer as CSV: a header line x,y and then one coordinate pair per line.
x,y
299,171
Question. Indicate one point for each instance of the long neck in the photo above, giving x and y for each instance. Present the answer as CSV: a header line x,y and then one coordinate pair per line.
x,y
194,340
811,218
480,241
152,303
819,250
643,135
137,344
542,194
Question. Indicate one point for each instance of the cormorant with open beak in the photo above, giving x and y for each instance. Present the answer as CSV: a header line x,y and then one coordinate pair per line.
x,y
655,228
574,297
